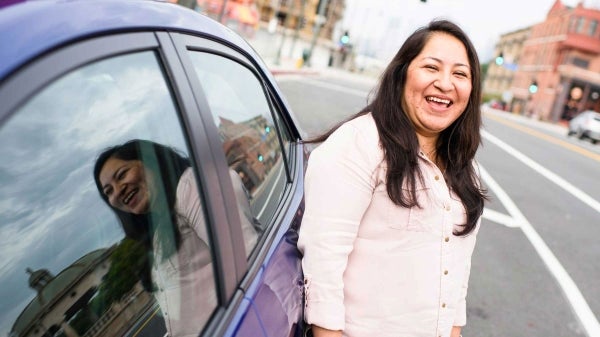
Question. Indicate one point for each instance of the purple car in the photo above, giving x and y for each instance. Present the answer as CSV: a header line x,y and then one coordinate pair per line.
x,y
151,176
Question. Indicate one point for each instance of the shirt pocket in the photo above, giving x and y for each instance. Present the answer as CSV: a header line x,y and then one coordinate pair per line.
x,y
425,217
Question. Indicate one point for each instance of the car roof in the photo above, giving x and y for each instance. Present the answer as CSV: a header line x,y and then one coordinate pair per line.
x,y
31,28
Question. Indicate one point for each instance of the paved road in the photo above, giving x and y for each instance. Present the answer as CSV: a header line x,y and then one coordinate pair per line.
x,y
535,267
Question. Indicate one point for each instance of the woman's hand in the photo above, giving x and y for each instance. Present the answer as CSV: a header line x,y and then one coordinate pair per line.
x,y
317,331
456,331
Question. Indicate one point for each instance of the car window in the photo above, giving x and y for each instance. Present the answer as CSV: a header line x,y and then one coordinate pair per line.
x,y
102,227
250,139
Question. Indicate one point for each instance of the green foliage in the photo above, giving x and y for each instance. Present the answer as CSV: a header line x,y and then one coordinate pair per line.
x,y
126,262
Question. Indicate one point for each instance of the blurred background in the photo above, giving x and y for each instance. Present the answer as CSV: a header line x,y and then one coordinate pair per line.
x,y
541,58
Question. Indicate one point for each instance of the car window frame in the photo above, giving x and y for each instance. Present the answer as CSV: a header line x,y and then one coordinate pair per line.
x,y
251,270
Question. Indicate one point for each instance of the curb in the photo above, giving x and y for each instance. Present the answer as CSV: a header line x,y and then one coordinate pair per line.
x,y
293,72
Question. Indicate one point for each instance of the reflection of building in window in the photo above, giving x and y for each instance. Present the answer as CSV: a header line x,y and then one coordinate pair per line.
x,y
251,148
70,304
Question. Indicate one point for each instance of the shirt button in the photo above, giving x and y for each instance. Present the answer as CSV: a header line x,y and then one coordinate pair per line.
x,y
443,305
437,177
446,239
445,272
448,207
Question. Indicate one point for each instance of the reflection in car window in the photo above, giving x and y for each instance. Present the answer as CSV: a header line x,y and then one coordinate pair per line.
x,y
241,112
69,269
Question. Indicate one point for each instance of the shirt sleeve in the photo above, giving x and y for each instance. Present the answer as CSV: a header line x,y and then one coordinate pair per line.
x,y
189,205
339,184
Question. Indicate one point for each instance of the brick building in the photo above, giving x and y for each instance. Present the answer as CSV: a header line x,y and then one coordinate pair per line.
x,y
561,58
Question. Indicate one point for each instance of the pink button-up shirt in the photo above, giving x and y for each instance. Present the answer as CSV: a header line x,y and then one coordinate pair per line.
x,y
373,268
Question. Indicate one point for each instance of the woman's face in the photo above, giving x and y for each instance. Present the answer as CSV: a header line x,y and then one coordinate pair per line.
x,y
438,85
125,184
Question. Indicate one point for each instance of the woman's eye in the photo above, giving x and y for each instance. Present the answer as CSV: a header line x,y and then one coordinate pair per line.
x,y
461,74
431,67
107,192
121,174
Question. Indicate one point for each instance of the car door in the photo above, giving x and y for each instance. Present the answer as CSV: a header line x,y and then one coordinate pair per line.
x,y
72,268
257,141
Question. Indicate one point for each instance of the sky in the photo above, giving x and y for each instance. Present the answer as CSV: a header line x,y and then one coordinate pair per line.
x,y
378,27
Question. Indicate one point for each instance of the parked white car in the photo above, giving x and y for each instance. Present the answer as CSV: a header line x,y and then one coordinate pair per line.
x,y
586,125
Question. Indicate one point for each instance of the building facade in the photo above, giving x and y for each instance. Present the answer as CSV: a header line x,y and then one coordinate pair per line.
x,y
303,14
501,71
558,73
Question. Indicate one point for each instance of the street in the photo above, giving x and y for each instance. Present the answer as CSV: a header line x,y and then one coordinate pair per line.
x,y
535,266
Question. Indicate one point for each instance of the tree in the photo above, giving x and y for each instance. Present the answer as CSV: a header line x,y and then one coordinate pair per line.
x,y
126,264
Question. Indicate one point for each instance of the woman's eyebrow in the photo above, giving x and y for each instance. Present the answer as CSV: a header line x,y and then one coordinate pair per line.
x,y
458,64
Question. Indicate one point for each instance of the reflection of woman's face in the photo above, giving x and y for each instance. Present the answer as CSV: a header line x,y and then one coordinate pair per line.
x,y
125,184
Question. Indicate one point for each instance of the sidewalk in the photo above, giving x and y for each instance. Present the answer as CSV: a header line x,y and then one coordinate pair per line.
x,y
283,54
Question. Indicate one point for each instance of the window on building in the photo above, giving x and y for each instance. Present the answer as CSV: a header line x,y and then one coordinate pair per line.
x,y
581,63
593,27
572,24
580,25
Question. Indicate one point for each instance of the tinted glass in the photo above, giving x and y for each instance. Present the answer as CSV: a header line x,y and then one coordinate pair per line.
x,y
69,268
250,139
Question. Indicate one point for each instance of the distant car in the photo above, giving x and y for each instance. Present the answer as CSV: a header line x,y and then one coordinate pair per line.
x,y
586,125
495,104
78,77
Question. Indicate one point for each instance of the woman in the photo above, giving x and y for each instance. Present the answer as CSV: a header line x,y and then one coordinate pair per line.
x,y
393,201
152,190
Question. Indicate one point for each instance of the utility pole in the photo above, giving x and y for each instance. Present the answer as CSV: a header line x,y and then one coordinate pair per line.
x,y
319,21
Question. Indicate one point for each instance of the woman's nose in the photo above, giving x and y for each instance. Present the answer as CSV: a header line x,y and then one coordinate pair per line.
x,y
443,82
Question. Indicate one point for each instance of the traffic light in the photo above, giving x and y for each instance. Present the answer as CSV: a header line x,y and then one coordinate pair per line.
x,y
345,39
533,87
500,59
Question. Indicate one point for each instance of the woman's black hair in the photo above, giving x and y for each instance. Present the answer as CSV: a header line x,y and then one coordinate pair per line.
x,y
457,144
166,166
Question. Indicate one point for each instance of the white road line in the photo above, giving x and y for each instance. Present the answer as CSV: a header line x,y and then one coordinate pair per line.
x,y
577,193
572,293
500,218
